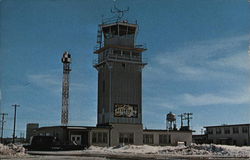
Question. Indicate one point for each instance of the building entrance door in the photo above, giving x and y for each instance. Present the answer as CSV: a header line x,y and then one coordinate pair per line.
x,y
76,139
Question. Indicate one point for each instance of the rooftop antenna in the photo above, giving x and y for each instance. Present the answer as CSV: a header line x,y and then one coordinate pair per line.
x,y
119,12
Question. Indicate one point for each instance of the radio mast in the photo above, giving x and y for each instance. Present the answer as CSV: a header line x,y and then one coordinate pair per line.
x,y
66,60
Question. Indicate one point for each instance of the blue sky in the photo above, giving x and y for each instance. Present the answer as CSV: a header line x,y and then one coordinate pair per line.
x,y
197,59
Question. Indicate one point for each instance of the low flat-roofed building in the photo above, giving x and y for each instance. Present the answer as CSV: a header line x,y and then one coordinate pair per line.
x,y
115,135
236,134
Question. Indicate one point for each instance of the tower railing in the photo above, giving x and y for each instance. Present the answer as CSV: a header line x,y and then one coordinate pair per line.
x,y
101,45
112,57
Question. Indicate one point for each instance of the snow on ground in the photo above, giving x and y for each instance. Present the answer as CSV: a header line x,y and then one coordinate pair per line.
x,y
209,150
12,150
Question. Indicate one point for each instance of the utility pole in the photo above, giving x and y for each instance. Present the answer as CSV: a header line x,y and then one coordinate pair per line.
x,y
14,128
181,115
188,117
3,114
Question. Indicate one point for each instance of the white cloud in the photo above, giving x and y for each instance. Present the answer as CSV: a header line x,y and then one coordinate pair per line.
x,y
239,61
203,60
53,82
233,98
206,62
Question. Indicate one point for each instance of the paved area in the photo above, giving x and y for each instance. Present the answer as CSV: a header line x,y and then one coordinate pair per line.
x,y
50,158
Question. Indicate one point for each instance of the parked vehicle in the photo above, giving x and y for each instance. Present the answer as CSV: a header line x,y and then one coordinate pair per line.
x,y
49,143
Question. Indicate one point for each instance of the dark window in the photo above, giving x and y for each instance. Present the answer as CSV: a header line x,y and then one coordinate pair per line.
x,y
131,138
127,138
94,138
126,54
123,30
164,139
123,65
77,138
218,130
99,137
117,52
234,142
244,130
106,31
105,137
245,142
148,139
131,30
210,131
227,130
235,130
114,30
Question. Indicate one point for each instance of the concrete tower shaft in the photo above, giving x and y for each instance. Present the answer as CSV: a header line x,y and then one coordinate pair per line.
x,y
119,66
66,60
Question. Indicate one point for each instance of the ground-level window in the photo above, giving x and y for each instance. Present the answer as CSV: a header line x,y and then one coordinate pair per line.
x,y
235,130
218,130
244,130
210,131
227,130
99,137
127,138
148,139
234,142
164,139
245,142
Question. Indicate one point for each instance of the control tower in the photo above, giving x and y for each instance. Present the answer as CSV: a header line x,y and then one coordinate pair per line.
x,y
119,67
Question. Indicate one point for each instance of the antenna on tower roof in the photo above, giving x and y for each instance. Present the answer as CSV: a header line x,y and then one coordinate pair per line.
x,y
119,12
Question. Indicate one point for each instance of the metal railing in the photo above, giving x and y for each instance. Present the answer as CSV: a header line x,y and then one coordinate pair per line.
x,y
134,59
142,46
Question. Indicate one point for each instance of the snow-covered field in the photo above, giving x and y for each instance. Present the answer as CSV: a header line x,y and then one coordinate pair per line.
x,y
194,151
205,150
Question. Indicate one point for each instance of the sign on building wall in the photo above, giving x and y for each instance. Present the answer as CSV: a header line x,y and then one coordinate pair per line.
x,y
126,110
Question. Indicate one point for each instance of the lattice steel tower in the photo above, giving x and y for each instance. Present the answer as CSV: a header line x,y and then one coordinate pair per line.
x,y
66,60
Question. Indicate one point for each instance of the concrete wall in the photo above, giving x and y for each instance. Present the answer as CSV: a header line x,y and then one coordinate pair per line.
x,y
119,83
175,136
137,130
